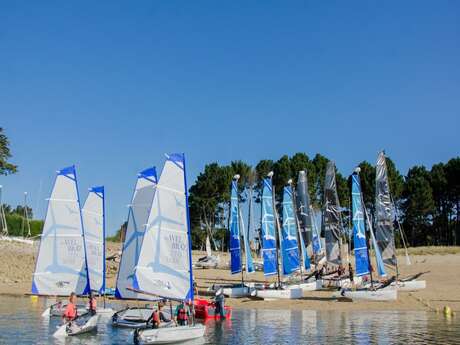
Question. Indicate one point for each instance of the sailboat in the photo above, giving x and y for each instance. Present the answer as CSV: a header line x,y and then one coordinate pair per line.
x,y
333,228
384,216
237,232
138,213
61,265
93,215
361,251
164,267
270,231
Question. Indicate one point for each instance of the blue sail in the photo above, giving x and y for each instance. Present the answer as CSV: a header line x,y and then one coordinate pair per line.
x,y
247,248
268,230
234,226
305,259
316,239
378,257
289,244
359,235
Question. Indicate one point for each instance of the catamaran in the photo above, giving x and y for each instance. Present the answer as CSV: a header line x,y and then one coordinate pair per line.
x,y
164,266
61,266
270,231
138,213
93,215
384,216
374,292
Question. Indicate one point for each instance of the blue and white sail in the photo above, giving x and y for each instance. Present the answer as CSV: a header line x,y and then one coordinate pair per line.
x,y
138,214
289,244
164,268
269,248
359,235
234,227
247,248
305,221
316,238
93,213
61,266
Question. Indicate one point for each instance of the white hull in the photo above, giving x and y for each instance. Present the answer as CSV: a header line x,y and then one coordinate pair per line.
x,y
273,294
382,295
169,335
236,292
311,286
411,285
342,283
75,329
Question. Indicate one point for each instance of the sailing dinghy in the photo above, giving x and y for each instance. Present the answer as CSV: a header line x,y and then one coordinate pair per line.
x,y
93,215
384,216
138,213
362,258
270,250
164,267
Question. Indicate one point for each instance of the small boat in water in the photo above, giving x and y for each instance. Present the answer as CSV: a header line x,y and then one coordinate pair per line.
x,y
164,268
84,324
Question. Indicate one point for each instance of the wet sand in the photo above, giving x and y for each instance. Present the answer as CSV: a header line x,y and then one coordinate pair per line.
x,y
442,275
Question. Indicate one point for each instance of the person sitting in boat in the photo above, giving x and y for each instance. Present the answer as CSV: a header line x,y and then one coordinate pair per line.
x,y
220,304
92,304
182,314
154,319
70,312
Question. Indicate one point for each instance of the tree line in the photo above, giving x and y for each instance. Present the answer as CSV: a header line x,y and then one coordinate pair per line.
x,y
427,202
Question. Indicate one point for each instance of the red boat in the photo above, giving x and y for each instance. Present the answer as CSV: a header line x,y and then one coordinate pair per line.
x,y
205,309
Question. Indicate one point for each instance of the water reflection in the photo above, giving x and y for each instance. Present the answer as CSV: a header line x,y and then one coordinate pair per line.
x,y
21,323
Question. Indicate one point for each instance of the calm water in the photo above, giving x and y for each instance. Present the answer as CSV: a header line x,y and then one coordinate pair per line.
x,y
21,323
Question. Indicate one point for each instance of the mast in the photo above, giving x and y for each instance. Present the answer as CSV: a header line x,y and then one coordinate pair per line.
x,y
236,178
278,228
25,218
2,215
299,233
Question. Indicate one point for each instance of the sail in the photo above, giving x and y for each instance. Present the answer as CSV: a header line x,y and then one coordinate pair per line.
x,y
61,266
384,213
164,267
359,234
304,216
332,223
94,227
247,247
234,227
316,238
289,244
269,249
138,214
208,247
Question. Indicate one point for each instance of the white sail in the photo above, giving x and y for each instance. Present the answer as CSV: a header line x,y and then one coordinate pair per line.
x,y
138,214
94,227
61,263
164,266
208,247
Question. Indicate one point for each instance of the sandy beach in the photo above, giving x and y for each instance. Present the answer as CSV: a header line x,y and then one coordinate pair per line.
x,y
441,269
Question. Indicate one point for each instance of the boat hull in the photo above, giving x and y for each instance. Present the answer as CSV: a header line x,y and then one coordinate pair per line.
x,y
380,295
68,330
309,286
132,318
168,335
411,285
274,294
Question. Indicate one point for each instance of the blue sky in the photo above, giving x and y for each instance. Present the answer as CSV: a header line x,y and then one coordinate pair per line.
x,y
110,86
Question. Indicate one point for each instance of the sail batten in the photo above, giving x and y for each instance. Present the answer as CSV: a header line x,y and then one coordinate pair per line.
x,y
137,221
164,264
384,229
332,223
94,227
61,265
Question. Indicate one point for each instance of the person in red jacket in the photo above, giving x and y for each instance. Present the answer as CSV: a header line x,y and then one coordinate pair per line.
x,y
70,312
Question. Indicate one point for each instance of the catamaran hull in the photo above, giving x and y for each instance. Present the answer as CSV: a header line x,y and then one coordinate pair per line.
x,y
236,292
273,294
381,295
310,286
341,283
168,335
411,285
67,330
